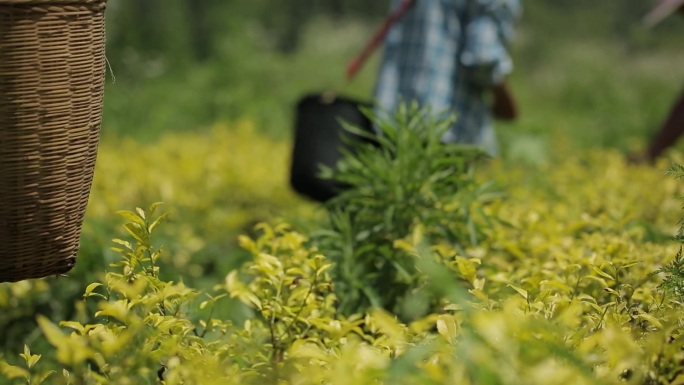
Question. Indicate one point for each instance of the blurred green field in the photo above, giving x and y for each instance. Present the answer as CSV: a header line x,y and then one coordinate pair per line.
x,y
587,73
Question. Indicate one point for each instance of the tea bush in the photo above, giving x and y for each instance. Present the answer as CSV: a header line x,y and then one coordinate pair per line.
x,y
595,320
218,184
404,178
566,282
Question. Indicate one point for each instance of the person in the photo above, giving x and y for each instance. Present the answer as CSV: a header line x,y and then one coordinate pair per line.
x,y
453,57
673,125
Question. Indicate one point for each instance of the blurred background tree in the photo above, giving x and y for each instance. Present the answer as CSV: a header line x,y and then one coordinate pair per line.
x,y
191,31
184,65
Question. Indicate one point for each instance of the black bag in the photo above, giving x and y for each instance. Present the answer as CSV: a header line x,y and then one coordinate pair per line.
x,y
318,140
318,130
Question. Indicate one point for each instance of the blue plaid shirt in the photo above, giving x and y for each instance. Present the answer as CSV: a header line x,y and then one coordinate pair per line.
x,y
447,54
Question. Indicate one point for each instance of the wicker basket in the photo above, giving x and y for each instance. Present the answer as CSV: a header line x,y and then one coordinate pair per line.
x,y
52,68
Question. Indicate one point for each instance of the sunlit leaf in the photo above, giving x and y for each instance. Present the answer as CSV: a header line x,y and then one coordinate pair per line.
x,y
602,273
89,289
650,319
12,372
73,325
157,221
520,290
40,378
447,327
132,217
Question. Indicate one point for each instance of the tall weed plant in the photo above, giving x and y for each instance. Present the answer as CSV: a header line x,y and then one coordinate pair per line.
x,y
402,179
673,282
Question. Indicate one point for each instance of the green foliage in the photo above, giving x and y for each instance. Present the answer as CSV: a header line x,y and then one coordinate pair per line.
x,y
290,288
569,323
217,185
558,293
673,282
674,277
558,289
24,371
140,328
409,179
220,183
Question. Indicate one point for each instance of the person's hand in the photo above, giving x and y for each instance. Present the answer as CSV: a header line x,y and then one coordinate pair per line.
x,y
503,105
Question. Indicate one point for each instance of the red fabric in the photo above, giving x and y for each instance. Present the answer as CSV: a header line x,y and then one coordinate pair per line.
x,y
356,63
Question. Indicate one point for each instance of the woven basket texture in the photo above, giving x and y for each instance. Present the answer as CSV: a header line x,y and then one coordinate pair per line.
x,y
52,69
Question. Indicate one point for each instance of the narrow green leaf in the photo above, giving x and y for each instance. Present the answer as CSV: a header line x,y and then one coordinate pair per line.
x,y
73,325
136,232
520,290
123,243
602,273
629,264
153,207
40,378
650,319
131,217
89,289
157,221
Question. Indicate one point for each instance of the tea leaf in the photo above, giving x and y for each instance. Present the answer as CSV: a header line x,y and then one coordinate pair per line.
x,y
520,290
89,289
447,327
73,325
132,217
12,372
602,273
40,378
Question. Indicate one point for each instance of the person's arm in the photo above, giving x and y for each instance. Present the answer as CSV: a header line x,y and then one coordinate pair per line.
x,y
670,131
485,57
